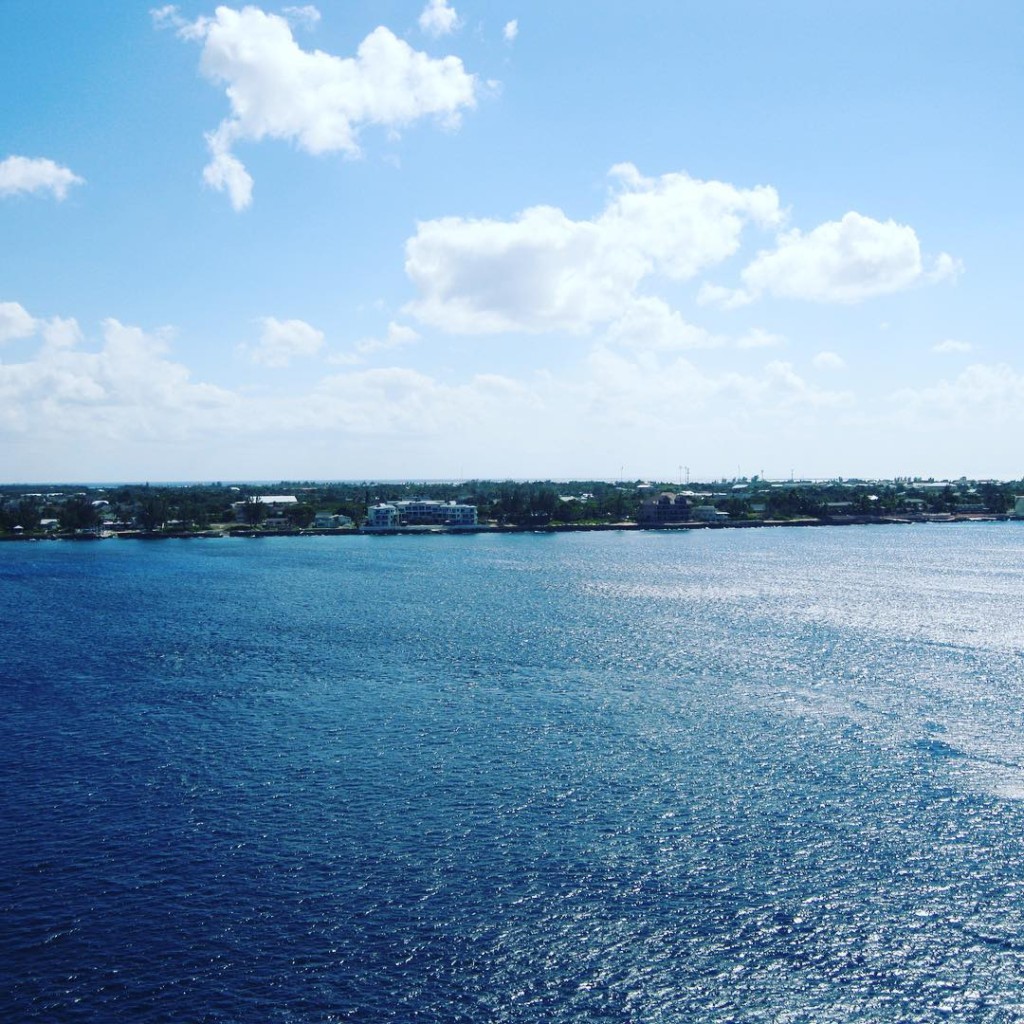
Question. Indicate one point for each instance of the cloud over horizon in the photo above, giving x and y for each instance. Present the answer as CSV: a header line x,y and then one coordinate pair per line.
x,y
281,341
844,261
543,271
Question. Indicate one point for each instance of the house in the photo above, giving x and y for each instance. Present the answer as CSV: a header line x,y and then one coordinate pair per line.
x,y
330,521
709,514
666,508
278,523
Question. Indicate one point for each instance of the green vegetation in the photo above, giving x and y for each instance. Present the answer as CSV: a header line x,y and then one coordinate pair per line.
x,y
65,510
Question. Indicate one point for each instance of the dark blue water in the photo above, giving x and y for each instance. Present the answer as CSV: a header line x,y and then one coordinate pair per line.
x,y
772,775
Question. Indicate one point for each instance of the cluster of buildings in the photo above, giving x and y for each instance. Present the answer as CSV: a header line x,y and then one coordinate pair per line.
x,y
392,515
669,507
385,515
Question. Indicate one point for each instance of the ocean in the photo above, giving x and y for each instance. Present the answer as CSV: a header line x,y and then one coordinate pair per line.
x,y
768,775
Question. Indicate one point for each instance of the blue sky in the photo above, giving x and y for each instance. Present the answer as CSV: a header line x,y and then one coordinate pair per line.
x,y
454,239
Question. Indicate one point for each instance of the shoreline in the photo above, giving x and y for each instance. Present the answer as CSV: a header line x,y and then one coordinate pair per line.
x,y
626,527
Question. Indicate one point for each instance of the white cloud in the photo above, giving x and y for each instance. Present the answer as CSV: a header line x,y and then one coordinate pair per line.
x,y
718,295
123,391
951,345
439,18
757,337
167,16
20,174
651,324
829,361
993,392
226,173
650,392
284,340
61,333
845,261
317,100
16,322
398,336
544,271
511,30
307,15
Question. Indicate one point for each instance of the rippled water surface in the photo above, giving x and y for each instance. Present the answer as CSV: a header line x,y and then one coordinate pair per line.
x,y
766,775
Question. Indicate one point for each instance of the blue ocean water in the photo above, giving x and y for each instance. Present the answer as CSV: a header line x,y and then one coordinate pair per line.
x,y
765,775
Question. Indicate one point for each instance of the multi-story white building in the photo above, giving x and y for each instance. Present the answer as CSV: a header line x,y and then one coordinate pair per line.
x,y
419,512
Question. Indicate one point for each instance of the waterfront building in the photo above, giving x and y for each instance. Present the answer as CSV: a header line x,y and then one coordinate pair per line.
x,y
420,512
382,516
666,508
709,514
330,521
424,512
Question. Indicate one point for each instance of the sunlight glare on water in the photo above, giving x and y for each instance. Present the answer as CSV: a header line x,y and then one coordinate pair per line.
x,y
766,775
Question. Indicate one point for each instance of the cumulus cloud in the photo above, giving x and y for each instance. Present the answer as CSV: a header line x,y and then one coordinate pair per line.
x,y
397,336
316,100
22,174
952,345
649,323
647,391
125,389
61,333
829,361
439,18
996,391
15,322
544,271
307,15
284,340
511,30
843,261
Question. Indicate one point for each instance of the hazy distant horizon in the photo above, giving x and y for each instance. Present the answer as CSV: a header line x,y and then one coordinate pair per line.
x,y
442,481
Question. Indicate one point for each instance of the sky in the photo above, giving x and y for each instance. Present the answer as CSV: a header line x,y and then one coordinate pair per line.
x,y
512,239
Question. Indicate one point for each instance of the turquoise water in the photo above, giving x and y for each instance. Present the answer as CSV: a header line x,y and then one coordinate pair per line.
x,y
768,775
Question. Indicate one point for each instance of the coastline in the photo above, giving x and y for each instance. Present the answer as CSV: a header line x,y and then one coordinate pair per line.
x,y
495,529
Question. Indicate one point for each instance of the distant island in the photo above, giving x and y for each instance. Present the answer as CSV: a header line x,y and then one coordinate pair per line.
x,y
316,508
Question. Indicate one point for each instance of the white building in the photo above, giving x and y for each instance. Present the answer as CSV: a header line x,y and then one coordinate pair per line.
x,y
382,517
419,512
424,512
329,521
